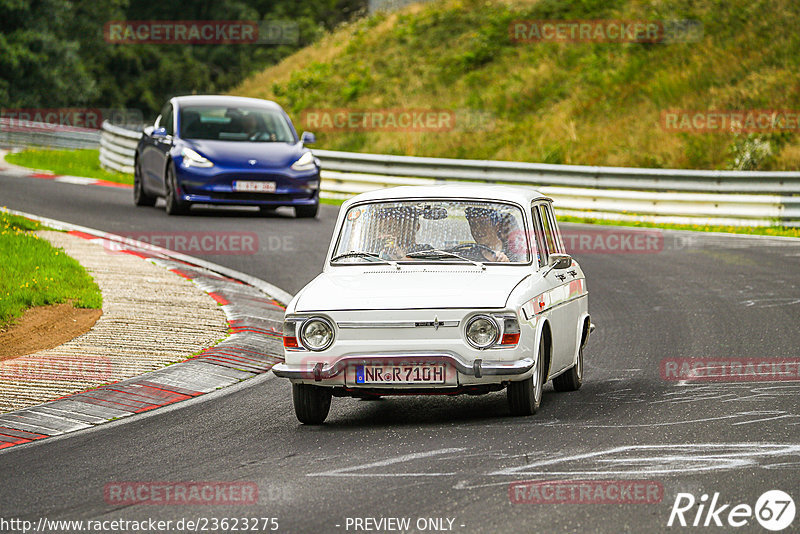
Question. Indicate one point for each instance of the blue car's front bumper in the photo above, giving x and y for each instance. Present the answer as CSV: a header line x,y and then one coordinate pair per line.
x,y
214,185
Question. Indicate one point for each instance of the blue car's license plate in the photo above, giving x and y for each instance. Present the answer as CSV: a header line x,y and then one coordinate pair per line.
x,y
250,186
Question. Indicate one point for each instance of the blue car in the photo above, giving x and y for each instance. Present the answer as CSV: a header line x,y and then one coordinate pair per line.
x,y
225,150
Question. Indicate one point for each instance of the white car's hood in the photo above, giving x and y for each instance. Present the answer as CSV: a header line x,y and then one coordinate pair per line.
x,y
346,288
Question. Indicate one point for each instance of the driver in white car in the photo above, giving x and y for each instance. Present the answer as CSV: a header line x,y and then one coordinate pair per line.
x,y
492,233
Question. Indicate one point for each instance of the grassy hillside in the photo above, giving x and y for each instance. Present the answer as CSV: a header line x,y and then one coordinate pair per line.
x,y
576,103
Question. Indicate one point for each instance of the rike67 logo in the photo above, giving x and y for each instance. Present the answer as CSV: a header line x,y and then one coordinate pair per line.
x,y
774,510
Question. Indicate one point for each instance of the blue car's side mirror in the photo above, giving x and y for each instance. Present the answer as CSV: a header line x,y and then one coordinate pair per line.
x,y
159,132
308,138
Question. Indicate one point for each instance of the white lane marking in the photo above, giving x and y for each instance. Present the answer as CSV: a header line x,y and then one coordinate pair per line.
x,y
625,461
767,416
349,471
778,415
729,392
647,460
75,180
770,302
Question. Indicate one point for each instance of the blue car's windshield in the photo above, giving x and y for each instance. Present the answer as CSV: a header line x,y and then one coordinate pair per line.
x,y
234,123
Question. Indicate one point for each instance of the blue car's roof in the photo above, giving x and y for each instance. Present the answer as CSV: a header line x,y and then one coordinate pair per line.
x,y
224,100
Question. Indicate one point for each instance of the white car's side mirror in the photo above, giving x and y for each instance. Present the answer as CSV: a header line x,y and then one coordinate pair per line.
x,y
557,261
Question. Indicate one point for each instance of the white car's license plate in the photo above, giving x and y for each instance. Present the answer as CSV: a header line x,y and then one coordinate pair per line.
x,y
400,374
254,187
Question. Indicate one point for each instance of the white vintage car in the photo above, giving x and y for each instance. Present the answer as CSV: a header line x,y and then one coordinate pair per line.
x,y
439,290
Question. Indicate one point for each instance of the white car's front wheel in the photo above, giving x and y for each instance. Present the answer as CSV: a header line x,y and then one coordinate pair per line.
x,y
525,396
311,403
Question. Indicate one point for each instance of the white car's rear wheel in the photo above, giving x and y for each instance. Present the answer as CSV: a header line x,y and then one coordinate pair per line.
x,y
525,396
311,403
572,379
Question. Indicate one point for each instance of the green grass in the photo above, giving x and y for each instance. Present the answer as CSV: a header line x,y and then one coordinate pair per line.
x,y
71,162
34,273
573,103
332,201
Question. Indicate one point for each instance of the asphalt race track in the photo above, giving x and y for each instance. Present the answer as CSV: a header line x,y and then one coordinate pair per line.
x,y
454,458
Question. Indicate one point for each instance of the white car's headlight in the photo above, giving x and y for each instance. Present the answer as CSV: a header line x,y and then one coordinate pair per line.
x,y
482,331
193,159
305,163
316,333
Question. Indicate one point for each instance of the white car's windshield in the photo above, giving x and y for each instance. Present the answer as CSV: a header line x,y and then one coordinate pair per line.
x,y
433,230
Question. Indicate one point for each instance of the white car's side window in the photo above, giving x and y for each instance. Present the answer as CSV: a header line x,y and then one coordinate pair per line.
x,y
549,233
536,221
553,224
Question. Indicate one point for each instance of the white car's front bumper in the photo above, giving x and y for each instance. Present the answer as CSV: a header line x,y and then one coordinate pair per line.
x,y
334,373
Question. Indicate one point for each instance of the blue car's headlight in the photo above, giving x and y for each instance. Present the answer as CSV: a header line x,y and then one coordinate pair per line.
x,y
193,159
305,163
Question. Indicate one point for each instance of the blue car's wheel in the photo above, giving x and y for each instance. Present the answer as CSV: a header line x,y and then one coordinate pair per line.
x,y
174,205
267,210
306,212
140,198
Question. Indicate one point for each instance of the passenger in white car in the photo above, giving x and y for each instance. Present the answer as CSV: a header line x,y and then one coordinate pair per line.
x,y
397,232
493,234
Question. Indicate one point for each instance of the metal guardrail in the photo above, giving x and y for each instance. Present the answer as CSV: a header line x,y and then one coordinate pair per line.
x,y
14,133
738,198
117,148
629,178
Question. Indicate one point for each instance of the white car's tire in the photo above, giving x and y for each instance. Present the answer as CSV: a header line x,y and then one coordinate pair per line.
x,y
525,396
573,378
311,403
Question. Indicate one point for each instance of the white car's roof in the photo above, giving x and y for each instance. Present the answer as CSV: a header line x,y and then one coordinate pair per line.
x,y
479,191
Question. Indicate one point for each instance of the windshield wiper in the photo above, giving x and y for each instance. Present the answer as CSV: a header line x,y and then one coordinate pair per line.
x,y
432,253
370,255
